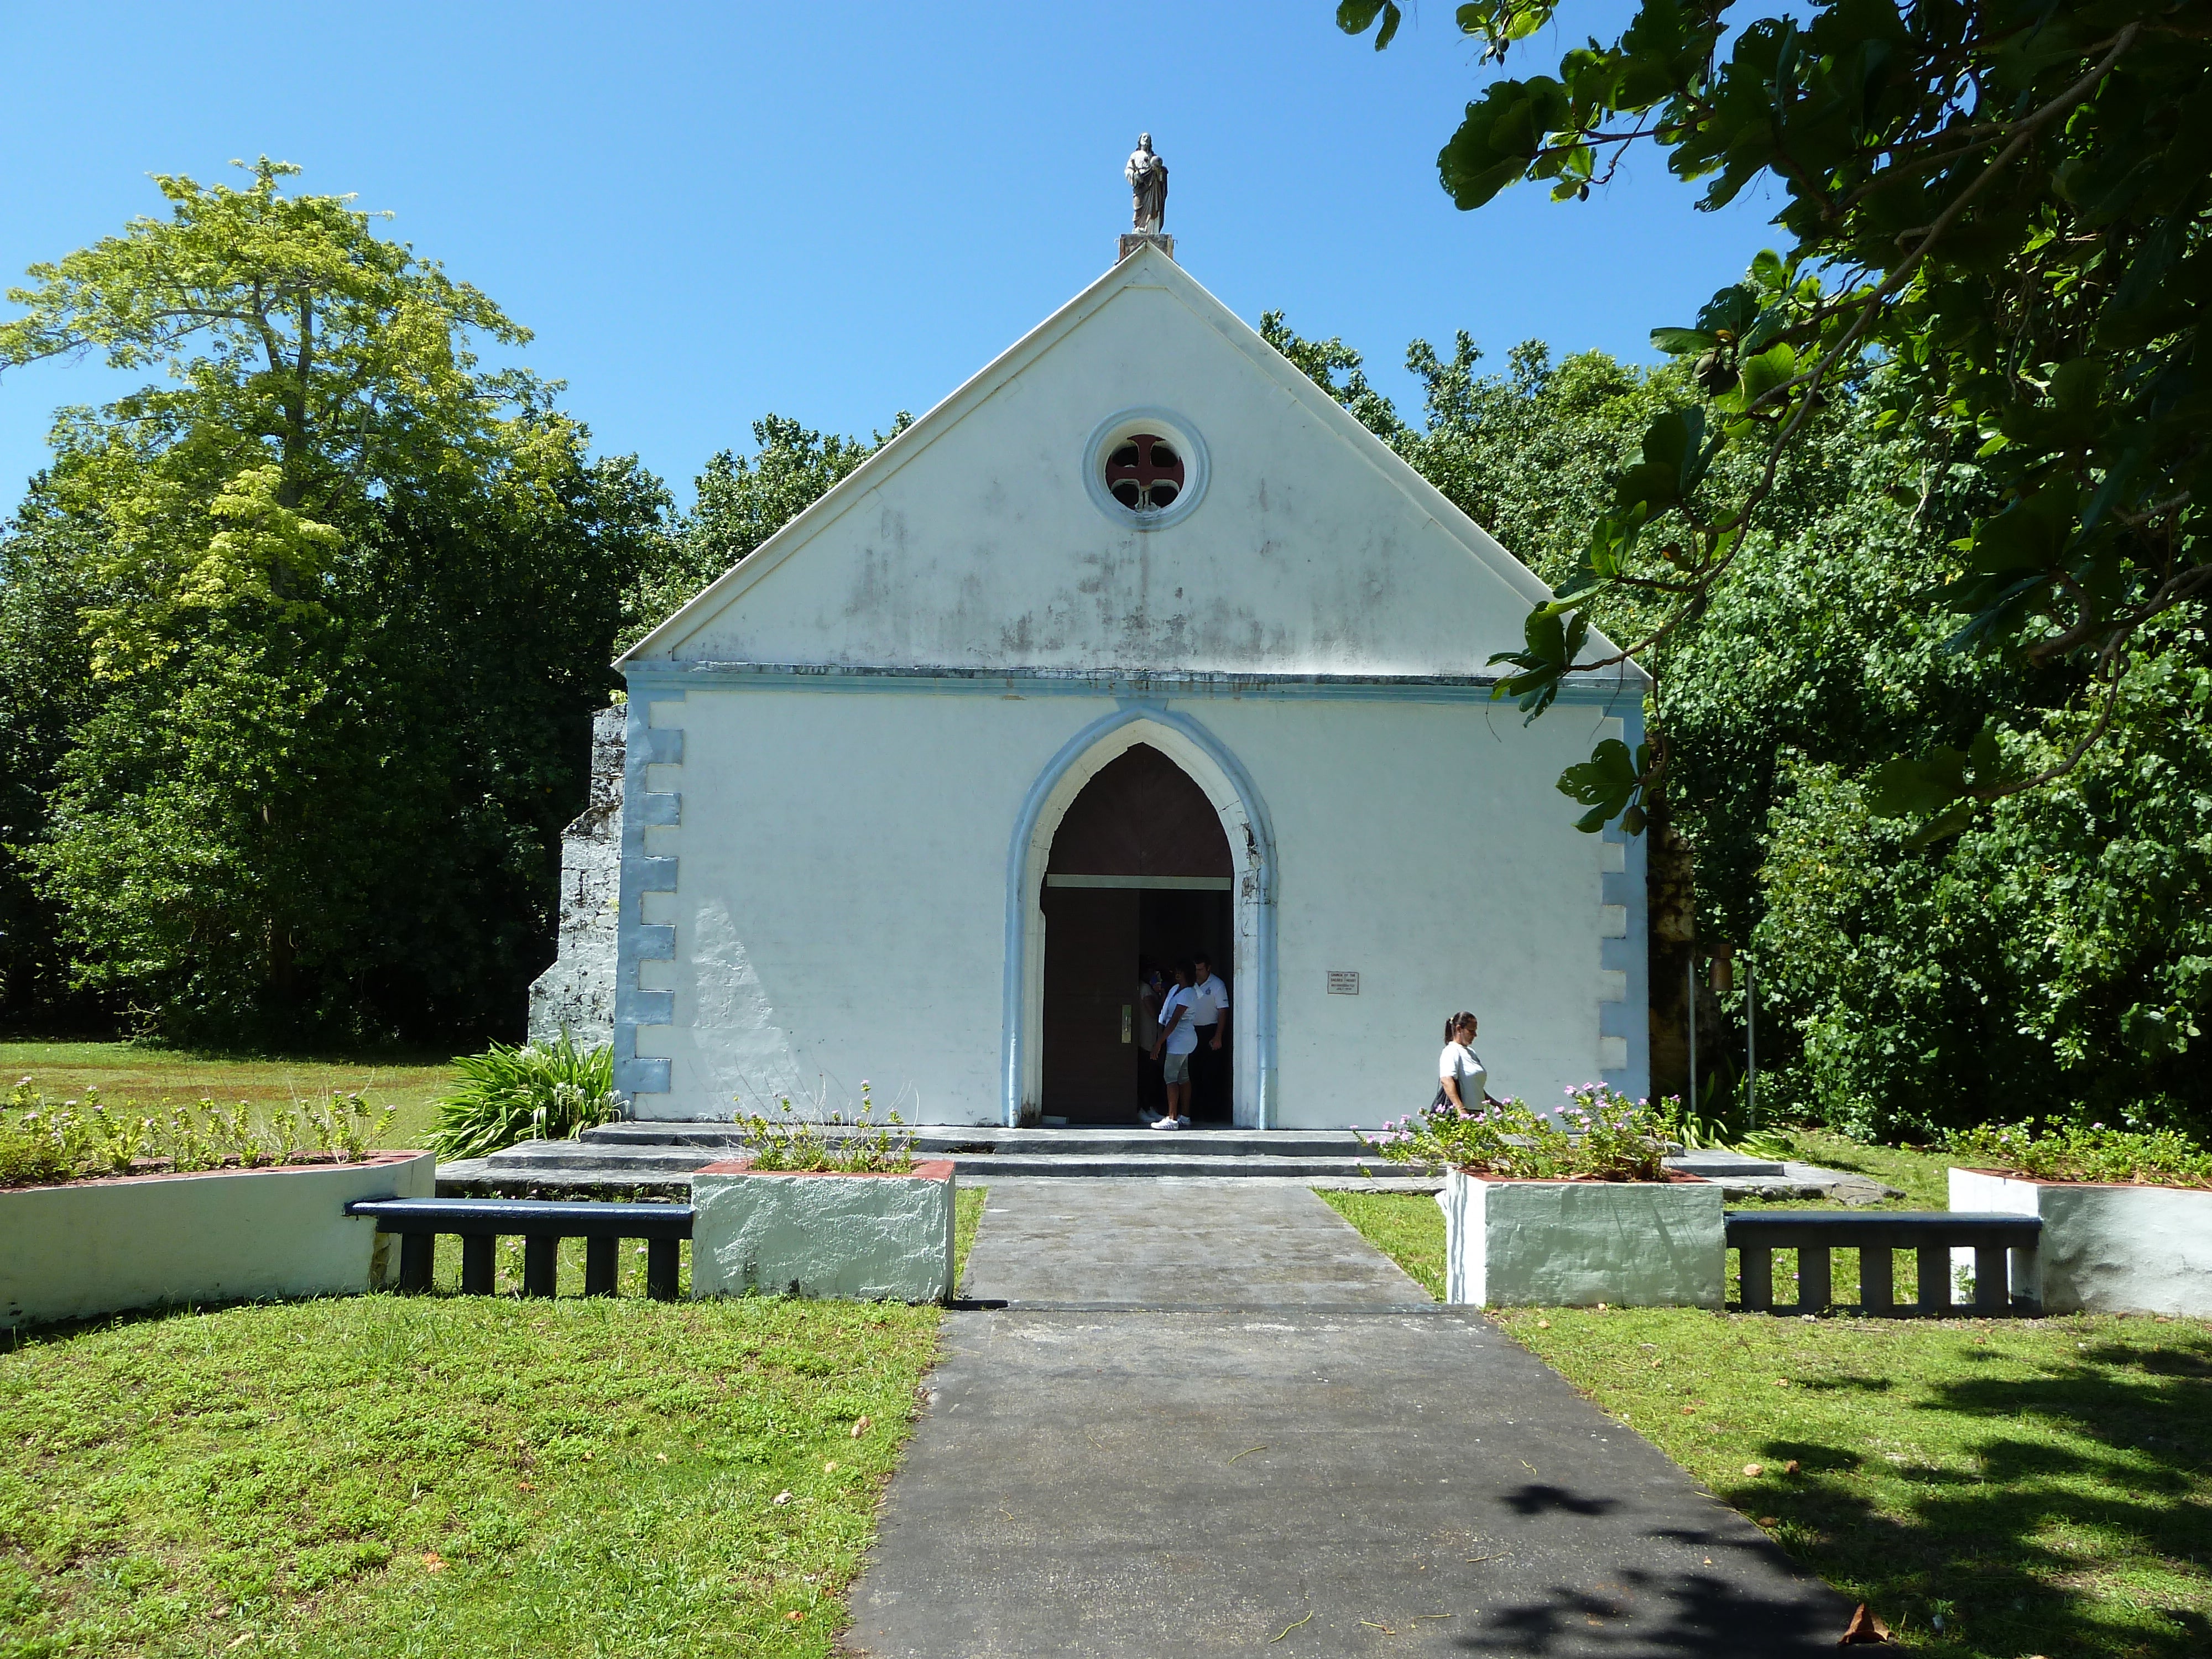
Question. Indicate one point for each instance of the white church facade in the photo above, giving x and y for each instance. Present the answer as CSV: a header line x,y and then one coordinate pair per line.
x,y
1138,645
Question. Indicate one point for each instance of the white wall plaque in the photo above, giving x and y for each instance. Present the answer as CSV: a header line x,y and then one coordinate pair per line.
x,y
1343,984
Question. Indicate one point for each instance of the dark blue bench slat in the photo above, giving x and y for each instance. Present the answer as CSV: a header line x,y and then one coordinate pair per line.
x,y
1901,1230
526,1218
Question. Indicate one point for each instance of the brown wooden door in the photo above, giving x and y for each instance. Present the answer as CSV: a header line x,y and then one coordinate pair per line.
x,y
1090,978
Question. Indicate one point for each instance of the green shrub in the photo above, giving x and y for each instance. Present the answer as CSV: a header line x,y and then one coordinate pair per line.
x,y
43,1142
1599,1132
2162,1158
790,1142
549,1091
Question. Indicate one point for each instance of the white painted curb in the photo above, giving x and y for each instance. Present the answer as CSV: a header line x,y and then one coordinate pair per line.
x,y
870,1237
1575,1243
2105,1248
87,1247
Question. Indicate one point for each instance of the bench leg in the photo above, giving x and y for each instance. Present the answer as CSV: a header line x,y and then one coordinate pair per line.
x,y
1992,1279
1813,1279
1877,1280
476,1263
1934,1297
418,1261
600,1257
541,1264
1756,1274
660,1269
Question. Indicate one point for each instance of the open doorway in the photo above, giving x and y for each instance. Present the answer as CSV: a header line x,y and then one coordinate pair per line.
x,y
1140,874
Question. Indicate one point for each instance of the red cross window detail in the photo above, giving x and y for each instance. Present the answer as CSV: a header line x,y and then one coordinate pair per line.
x,y
1144,473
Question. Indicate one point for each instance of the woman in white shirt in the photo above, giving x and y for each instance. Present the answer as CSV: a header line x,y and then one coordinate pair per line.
x,y
1462,1085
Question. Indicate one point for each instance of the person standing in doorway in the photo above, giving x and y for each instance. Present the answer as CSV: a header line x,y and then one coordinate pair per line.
x,y
1152,991
1178,1038
1210,1010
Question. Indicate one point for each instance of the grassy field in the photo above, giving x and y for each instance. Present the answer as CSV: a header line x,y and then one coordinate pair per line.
x,y
2037,1486
127,1072
435,1475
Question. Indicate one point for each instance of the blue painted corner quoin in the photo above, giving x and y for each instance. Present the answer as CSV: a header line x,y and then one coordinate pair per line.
x,y
638,941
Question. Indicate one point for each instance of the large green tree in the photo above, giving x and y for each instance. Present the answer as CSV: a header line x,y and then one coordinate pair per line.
x,y
343,601
2004,201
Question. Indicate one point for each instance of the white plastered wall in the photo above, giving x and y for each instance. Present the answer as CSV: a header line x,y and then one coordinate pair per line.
x,y
842,895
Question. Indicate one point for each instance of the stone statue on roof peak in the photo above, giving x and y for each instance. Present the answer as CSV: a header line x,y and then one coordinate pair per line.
x,y
1148,185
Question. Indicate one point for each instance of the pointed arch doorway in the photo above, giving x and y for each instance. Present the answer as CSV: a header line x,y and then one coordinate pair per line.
x,y
1249,966
1140,874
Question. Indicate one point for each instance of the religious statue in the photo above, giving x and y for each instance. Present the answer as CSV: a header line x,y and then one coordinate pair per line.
x,y
1148,183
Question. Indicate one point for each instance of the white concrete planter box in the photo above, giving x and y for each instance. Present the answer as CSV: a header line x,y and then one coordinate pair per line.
x,y
87,1247
2104,1249
1575,1243
870,1237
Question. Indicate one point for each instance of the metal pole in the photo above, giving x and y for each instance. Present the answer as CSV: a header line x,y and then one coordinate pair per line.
x,y
1751,1032
1691,968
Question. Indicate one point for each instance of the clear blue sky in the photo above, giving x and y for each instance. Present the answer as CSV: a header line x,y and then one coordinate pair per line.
x,y
836,211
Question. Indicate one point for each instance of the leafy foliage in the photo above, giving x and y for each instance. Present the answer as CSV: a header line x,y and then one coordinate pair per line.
x,y
2084,1153
2055,959
1999,198
1599,1135
539,1092
342,603
46,1141
794,1141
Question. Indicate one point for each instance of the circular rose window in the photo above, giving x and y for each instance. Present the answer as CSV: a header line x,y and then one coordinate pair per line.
x,y
1146,468
1144,473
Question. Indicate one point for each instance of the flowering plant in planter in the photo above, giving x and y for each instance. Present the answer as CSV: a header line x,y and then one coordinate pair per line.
x,y
2089,1154
791,1144
44,1142
1597,1132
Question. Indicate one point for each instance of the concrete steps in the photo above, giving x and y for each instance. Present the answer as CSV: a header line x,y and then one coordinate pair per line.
x,y
658,1159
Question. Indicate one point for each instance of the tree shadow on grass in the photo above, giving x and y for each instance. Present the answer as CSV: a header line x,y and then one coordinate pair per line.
x,y
2088,1528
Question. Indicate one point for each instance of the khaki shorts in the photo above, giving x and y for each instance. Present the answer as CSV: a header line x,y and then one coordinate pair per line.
x,y
1178,1068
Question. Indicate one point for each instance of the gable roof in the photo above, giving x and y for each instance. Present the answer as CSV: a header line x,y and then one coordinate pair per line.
x,y
970,540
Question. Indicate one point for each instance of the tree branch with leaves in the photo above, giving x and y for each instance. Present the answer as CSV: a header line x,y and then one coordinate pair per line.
x,y
2002,201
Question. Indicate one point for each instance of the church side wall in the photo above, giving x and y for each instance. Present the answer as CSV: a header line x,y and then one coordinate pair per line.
x,y
824,897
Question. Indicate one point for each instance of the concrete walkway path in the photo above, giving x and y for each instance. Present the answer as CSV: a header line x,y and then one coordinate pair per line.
x,y
1283,1452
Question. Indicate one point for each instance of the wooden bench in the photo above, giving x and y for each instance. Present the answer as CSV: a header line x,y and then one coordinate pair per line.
x,y
541,1223
1755,1235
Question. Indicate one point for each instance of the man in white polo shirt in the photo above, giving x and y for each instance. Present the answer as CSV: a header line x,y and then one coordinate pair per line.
x,y
1178,1037
1209,1013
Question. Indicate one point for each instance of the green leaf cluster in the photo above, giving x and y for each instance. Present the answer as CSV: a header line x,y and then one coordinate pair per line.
x,y
2002,201
539,1092
304,637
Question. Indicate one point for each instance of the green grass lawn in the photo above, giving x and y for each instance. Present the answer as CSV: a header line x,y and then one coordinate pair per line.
x,y
384,1476
2040,1486
411,1083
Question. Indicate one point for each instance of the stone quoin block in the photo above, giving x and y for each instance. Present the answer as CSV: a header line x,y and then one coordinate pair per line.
x,y
2105,1248
1574,1243
873,1238
87,1247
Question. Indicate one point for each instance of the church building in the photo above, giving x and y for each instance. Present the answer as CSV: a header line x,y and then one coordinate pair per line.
x,y
1136,647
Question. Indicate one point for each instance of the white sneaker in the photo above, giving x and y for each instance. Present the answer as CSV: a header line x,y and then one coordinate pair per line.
x,y
1168,1123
